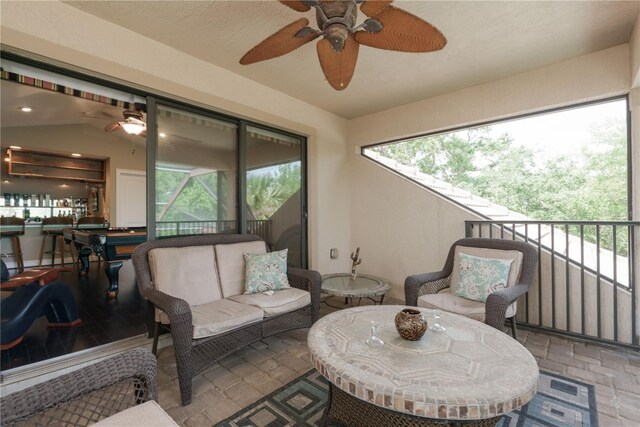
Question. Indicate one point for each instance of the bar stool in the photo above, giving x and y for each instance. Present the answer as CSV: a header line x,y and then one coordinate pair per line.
x,y
13,228
52,227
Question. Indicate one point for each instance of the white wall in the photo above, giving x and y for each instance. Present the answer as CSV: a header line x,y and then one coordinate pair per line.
x,y
402,230
63,33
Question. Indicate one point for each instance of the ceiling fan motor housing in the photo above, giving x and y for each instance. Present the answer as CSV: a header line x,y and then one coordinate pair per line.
x,y
132,114
338,24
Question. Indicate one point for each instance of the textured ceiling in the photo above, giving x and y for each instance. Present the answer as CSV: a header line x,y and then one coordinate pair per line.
x,y
486,41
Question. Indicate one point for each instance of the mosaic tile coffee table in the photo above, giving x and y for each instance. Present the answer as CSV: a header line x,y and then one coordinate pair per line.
x,y
364,286
471,374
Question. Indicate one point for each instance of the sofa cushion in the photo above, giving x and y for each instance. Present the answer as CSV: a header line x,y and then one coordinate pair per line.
x,y
514,271
281,301
479,277
231,265
188,273
446,301
145,414
220,316
266,272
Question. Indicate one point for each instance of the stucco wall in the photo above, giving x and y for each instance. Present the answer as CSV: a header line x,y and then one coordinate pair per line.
x,y
65,34
402,230
634,48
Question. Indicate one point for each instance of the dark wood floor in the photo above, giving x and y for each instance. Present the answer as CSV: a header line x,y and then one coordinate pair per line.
x,y
103,320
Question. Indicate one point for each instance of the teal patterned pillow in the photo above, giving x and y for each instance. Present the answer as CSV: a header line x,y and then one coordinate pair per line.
x,y
479,277
266,272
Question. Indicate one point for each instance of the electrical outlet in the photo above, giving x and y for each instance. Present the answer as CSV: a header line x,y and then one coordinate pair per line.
x,y
333,253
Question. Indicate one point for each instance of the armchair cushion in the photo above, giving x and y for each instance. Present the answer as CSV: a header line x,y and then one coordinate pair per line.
x,y
219,316
188,273
514,271
231,264
446,301
266,272
479,277
281,301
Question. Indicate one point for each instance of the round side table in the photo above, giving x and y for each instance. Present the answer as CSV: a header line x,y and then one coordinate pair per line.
x,y
363,286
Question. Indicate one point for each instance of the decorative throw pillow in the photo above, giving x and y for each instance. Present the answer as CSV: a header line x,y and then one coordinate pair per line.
x,y
479,277
266,272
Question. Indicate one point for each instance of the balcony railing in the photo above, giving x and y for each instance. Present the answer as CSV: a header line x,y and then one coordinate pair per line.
x,y
260,228
586,278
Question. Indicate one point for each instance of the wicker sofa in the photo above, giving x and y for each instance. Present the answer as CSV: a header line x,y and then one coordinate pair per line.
x,y
114,392
196,285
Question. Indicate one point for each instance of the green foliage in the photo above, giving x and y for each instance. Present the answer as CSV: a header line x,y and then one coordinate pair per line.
x,y
193,202
269,188
587,185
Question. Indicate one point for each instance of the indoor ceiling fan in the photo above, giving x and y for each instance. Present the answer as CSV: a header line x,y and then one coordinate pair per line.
x,y
386,27
133,123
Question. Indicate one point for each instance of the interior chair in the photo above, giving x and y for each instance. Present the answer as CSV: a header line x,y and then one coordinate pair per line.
x,y
52,228
87,220
439,290
12,228
30,295
118,391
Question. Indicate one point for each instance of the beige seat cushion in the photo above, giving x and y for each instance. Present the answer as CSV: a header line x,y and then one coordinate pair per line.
x,y
231,266
281,301
514,271
220,316
446,301
189,273
147,414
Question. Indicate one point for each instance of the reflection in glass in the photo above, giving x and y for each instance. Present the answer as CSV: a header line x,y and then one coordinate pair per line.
x,y
274,182
196,172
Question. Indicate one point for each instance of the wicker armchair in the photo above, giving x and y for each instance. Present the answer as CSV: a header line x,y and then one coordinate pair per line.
x,y
87,395
495,308
194,355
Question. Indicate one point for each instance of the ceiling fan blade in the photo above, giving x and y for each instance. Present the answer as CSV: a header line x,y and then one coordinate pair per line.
x,y
404,32
296,5
106,115
338,67
372,8
280,43
112,127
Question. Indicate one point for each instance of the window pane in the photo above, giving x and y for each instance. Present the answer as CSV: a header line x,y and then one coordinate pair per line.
x,y
274,179
196,173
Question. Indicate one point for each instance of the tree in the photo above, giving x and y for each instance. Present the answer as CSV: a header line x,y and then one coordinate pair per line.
x,y
269,188
587,185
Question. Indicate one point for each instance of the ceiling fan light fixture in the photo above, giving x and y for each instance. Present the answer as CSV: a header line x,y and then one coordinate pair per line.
x,y
133,128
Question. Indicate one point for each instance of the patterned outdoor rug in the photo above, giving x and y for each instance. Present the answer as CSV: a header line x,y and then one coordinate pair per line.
x,y
559,402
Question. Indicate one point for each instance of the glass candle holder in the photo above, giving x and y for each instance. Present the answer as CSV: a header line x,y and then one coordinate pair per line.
x,y
374,335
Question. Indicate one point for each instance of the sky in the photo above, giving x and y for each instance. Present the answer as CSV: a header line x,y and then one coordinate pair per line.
x,y
561,132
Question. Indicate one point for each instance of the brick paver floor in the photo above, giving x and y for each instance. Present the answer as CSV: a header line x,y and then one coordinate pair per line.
x,y
255,371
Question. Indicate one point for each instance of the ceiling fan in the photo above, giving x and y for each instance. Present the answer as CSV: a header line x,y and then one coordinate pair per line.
x,y
386,27
133,123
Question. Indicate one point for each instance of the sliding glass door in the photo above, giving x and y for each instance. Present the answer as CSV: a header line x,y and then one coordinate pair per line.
x,y
206,168
274,191
196,174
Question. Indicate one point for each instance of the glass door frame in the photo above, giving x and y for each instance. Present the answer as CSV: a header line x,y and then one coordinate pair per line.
x,y
241,197
154,98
